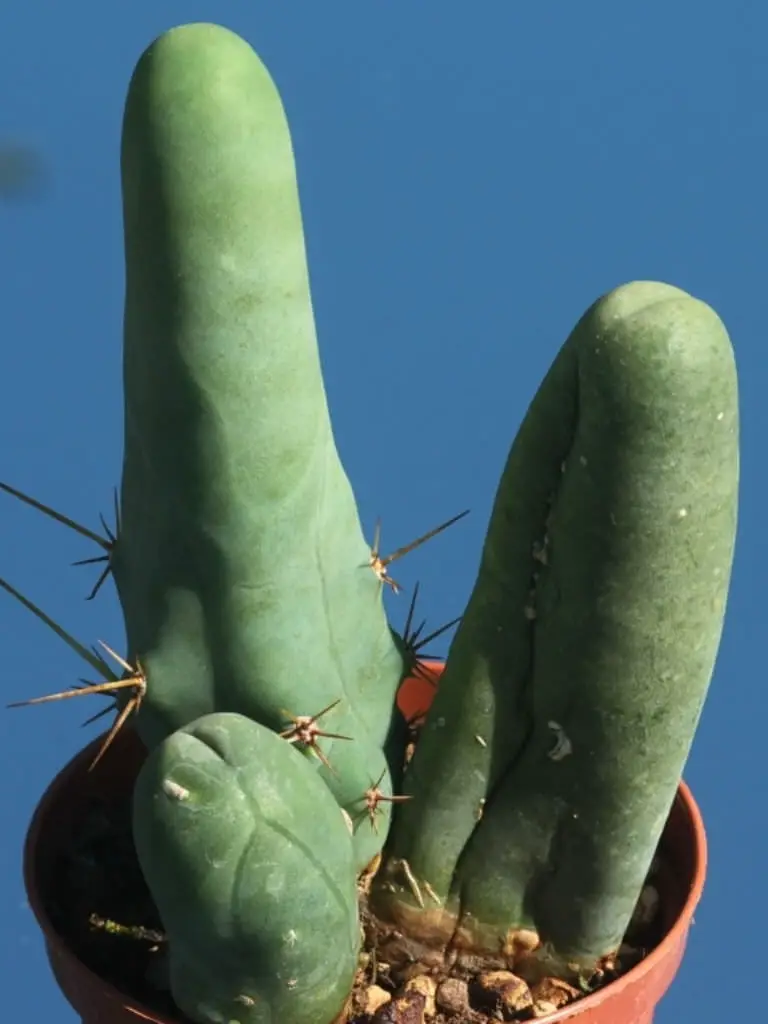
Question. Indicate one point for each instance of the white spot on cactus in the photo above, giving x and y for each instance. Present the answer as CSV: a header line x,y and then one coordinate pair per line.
x,y
720,416
292,983
481,741
275,881
563,746
290,938
540,551
682,513
174,791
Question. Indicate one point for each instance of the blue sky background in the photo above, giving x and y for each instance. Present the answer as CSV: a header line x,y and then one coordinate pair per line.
x,y
473,176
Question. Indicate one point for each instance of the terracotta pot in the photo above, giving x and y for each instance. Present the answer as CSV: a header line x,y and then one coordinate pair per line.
x,y
57,815
630,1000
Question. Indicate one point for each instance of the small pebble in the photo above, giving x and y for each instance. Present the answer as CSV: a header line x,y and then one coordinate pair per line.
x,y
452,996
404,1009
375,998
554,992
503,990
426,987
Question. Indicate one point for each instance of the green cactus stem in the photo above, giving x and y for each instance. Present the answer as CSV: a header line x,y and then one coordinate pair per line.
x,y
251,865
552,752
241,566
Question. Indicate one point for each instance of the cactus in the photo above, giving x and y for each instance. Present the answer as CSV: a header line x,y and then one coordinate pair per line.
x,y
261,671
576,678
235,504
235,829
